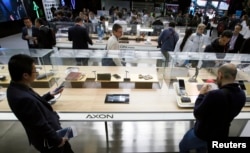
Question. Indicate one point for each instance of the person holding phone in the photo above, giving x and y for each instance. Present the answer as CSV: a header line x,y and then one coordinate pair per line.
x,y
214,110
37,116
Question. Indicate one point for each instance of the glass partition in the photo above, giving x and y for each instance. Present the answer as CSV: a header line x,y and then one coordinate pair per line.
x,y
137,69
46,75
204,66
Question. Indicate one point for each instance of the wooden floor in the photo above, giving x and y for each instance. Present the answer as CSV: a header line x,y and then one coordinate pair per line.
x,y
124,137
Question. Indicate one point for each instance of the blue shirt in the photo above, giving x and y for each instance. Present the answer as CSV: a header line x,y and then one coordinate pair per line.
x,y
167,39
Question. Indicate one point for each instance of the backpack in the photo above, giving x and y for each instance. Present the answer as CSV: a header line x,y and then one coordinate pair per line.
x,y
52,36
220,26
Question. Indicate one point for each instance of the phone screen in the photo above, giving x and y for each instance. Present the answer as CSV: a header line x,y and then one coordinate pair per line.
x,y
242,86
181,84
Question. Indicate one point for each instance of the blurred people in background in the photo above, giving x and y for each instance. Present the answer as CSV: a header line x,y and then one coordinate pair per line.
x,y
80,39
236,40
198,39
30,33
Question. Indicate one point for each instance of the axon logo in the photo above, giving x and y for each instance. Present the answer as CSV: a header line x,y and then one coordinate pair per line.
x,y
100,116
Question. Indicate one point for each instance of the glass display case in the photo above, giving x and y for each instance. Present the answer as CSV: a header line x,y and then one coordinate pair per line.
x,y
138,69
45,78
189,71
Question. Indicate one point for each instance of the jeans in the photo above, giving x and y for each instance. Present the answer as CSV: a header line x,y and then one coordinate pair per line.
x,y
191,142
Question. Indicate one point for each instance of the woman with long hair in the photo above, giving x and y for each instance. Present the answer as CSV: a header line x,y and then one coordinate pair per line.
x,y
184,45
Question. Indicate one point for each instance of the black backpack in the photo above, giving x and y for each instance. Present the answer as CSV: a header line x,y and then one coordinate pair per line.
x,y
52,36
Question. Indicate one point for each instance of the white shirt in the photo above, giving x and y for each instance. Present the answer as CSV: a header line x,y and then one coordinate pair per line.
x,y
198,42
113,44
187,48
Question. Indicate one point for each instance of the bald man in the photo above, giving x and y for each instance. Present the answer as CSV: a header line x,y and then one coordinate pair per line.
x,y
214,110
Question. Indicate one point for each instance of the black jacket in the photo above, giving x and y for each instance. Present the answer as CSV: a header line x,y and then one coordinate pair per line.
x,y
44,38
245,48
79,36
238,43
214,47
215,111
35,33
35,114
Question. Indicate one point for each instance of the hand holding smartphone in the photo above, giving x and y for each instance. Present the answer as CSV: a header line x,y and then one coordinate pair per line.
x,y
58,89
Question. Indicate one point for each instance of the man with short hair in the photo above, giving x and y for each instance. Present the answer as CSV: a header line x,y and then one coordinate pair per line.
x,y
37,116
221,44
236,40
113,44
80,38
30,33
214,111
45,36
168,39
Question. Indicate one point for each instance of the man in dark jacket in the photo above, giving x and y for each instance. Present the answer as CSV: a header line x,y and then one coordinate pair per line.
x,y
220,46
236,40
214,110
80,38
32,110
45,36
30,33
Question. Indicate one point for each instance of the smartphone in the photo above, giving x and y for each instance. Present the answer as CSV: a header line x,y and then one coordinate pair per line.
x,y
116,76
181,84
242,86
59,88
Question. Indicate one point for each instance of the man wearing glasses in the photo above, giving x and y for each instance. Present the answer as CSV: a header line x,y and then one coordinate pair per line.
x,y
37,116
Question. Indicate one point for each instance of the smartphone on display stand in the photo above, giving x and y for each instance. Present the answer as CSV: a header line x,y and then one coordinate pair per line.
x,y
241,84
181,86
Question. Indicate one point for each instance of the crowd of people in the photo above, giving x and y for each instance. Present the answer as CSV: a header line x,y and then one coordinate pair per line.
x,y
209,106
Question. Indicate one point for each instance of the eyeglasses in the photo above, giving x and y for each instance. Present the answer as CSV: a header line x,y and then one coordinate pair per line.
x,y
35,72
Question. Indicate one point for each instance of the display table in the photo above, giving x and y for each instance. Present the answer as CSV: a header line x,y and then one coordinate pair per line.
x,y
132,44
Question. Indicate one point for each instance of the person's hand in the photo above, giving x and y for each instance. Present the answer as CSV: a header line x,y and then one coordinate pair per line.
x,y
62,142
28,37
205,89
57,91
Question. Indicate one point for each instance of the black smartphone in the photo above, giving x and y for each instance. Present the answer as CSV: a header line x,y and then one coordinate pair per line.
x,y
242,86
59,88
116,76
181,84
185,99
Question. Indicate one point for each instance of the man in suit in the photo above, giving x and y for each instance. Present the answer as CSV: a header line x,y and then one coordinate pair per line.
x,y
38,118
236,40
45,36
80,38
30,33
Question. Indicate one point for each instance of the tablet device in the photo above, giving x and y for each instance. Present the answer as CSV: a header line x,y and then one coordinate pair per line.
x,y
117,98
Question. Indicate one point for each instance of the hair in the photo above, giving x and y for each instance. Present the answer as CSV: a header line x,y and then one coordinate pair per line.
x,y
227,33
171,24
116,27
119,14
201,25
40,21
78,19
229,71
188,32
26,18
238,24
18,65
102,18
